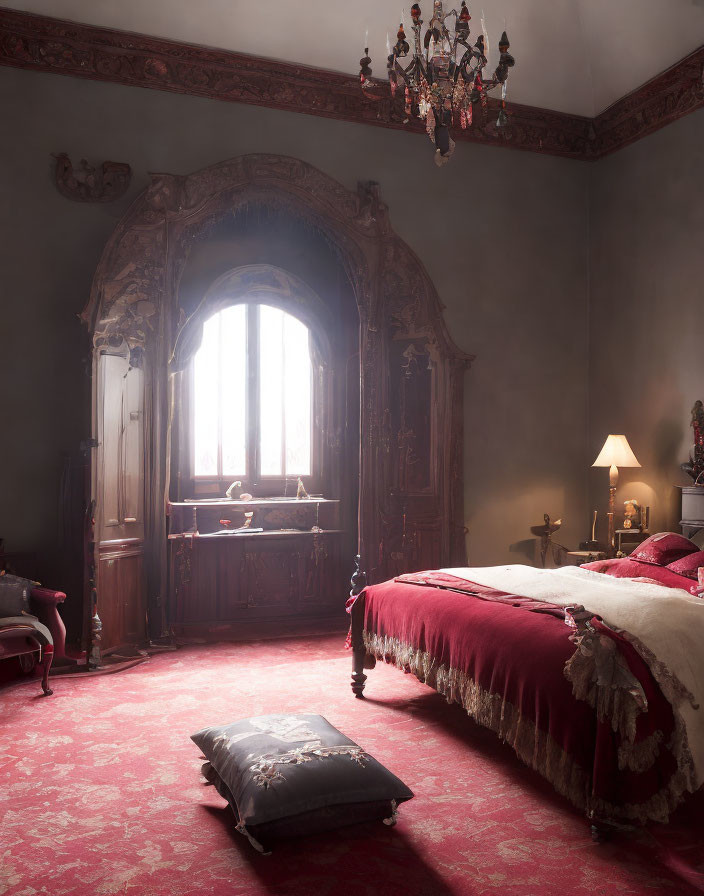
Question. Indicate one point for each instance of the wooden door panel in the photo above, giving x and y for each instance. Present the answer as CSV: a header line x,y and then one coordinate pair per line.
x,y
108,604
271,574
121,596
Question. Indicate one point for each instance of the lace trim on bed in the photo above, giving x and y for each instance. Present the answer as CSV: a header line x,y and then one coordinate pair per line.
x,y
533,746
641,756
675,692
600,676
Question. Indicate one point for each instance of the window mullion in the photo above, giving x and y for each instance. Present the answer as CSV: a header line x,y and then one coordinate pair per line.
x,y
220,408
283,397
252,405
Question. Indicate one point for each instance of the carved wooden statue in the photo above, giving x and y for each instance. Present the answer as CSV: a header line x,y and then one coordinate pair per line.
x,y
694,467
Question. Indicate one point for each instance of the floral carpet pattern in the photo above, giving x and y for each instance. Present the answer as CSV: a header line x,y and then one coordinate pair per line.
x,y
101,792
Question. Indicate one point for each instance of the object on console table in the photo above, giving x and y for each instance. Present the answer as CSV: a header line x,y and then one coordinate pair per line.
x,y
271,513
295,774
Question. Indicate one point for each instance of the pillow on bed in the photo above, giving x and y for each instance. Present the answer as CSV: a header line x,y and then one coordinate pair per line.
x,y
663,549
689,565
294,774
626,567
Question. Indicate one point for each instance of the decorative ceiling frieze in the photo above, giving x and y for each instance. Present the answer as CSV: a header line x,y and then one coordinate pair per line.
x,y
45,44
662,100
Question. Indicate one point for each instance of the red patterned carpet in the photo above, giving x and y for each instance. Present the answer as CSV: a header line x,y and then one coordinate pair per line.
x,y
100,792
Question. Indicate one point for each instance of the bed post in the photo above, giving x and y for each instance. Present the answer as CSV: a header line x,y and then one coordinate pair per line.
x,y
357,585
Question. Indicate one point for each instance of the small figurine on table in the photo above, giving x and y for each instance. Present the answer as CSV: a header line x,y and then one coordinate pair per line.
x,y
632,514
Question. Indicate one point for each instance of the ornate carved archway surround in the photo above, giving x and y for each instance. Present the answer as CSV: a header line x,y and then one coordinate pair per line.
x,y
403,522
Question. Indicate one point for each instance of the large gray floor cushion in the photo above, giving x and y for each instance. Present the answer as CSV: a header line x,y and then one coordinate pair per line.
x,y
295,774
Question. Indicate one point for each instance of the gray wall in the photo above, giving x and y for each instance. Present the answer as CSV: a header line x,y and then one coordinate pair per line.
x,y
507,250
647,311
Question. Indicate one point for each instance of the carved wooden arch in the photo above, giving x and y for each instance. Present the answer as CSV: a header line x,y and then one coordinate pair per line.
x,y
411,500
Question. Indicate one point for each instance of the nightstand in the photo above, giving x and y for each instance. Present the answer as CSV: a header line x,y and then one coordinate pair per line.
x,y
577,558
628,539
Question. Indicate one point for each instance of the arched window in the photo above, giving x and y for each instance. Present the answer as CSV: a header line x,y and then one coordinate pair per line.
x,y
251,393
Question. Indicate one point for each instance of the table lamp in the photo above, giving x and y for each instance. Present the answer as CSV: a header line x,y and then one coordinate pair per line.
x,y
615,453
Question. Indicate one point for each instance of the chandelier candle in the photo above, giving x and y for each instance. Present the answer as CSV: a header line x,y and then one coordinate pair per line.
x,y
443,81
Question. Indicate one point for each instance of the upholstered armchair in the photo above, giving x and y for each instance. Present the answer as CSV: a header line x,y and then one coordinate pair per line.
x,y
30,626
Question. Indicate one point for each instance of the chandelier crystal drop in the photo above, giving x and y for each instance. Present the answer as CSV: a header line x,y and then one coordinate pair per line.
x,y
444,80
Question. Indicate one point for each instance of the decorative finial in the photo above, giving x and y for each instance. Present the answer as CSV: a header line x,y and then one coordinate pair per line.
x,y
365,70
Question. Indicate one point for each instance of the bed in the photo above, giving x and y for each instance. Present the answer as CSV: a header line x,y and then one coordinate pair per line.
x,y
594,679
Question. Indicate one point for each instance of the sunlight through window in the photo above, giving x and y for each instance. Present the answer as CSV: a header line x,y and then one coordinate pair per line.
x,y
252,384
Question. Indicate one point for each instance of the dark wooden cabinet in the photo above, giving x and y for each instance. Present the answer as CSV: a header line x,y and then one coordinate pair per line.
x,y
258,576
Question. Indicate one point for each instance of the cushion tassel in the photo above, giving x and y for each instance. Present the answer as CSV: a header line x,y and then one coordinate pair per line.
x,y
392,819
255,843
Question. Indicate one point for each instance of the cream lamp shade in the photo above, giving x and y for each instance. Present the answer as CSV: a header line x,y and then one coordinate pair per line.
x,y
616,453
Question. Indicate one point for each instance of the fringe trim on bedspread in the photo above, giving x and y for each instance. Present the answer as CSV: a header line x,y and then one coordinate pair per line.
x,y
675,693
533,746
601,677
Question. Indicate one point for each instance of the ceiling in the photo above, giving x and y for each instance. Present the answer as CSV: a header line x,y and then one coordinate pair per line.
x,y
576,56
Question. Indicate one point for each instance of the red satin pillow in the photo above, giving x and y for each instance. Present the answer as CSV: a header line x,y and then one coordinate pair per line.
x,y
625,567
689,565
663,549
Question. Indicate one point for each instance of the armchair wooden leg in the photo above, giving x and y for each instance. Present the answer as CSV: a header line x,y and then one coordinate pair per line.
x,y
48,659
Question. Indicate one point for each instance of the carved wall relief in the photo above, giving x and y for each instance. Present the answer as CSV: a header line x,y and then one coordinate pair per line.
x,y
89,184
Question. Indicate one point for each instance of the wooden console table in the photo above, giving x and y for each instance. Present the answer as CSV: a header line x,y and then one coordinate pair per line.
x,y
275,573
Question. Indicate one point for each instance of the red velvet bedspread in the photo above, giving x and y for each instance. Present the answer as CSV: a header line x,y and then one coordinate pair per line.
x,y
503,658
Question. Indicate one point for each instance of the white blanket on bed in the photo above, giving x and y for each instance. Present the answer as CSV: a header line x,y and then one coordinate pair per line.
x,y
669,622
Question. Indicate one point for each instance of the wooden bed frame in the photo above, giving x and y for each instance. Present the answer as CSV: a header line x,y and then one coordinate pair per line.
x,y
362,660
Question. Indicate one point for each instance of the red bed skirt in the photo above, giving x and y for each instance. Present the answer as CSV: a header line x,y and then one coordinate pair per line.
x,y
503,659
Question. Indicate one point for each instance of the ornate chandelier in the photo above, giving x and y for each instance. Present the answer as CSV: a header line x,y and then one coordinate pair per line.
x,y
444,79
